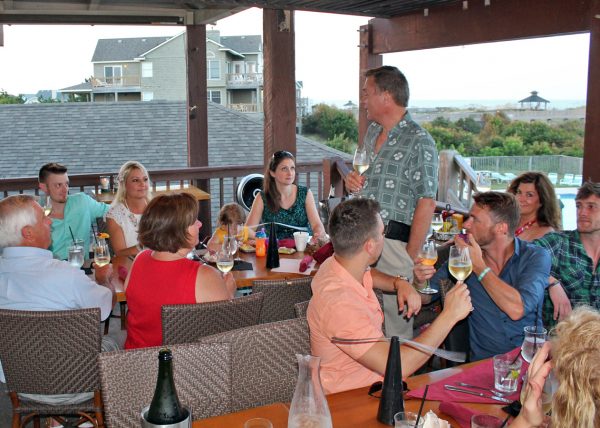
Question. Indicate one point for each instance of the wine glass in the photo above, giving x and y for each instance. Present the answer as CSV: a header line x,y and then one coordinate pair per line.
x,y
47,206
75,253
224,260
534,339
483,183
437,222
459,263
230,244
101,253
241,236
360,162
428,254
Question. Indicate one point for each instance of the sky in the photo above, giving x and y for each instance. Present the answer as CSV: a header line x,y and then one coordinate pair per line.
x,y
54,57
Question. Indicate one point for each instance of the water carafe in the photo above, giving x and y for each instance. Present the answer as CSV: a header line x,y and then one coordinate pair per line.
x,y
309,406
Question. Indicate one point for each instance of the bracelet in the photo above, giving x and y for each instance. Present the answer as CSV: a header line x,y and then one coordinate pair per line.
x,y
483,274
399,277
552,284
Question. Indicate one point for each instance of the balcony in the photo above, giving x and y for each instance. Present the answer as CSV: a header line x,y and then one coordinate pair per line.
x,y
116,84
244,108
244,80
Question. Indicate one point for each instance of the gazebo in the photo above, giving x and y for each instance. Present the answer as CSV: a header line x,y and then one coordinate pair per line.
x,y
534,102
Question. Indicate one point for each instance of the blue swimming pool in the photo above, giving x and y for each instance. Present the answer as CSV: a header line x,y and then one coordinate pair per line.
x,y
569,215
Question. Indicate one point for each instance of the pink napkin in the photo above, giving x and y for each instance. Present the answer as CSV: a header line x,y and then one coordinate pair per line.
x,y
460,413
122,271
323,253
286,242
481,375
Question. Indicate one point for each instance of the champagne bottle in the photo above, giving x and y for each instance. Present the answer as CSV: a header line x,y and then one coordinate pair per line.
x,y
165,408
272,250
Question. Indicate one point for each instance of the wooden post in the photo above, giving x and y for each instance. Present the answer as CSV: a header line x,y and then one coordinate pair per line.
x,y
279,82
591,145
198,114
1,35
367,60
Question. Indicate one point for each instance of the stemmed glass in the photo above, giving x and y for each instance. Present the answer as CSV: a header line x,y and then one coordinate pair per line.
x,y
483,183
225,259
459,263
437,222
241,237
230,244
101,253
360,162
429,256
47,206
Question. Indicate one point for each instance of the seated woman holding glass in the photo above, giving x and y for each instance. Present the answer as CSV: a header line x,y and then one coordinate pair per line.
x,y
162,274
123,217
284,202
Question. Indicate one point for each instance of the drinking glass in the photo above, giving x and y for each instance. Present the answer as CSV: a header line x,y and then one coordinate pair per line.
x,y
230,244
507,369
429,256
224,260
459,263
241,236
534,339
437,222
76,253
360,162
485,421
258,423
47,206
483,183
407,419
101,253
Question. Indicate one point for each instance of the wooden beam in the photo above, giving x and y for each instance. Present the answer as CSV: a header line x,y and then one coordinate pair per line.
x,y
367,60
198,114
279,82
591,145
451,25
1,35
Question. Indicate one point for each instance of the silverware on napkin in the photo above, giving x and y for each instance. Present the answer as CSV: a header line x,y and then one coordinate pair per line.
x,y
493,391
479,394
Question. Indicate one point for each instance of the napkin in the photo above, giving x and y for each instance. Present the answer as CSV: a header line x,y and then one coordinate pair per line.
x,y
292,266
431,420
122,272
460,413
324,252
481,375
286,242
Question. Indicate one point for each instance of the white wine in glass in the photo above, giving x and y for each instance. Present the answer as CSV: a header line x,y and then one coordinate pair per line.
x,y
101,254
429,256
224,260
361,161
459,263
437,222
47,206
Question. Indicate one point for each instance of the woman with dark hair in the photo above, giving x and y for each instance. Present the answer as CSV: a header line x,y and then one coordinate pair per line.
x,y
282,201
162,274
540,212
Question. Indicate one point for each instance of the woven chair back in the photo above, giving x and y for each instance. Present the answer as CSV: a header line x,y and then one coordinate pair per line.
x,y
202,379
301,308
265,369
50,352
281,296
188,323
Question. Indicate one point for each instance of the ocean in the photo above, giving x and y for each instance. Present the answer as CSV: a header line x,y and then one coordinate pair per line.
x,y
490,104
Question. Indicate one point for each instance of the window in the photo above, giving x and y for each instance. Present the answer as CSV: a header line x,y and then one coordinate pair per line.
x,y
146,69
147,96
214,96
113,74
251,67
213,70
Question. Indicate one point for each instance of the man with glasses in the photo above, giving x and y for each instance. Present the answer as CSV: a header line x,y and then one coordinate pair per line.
x,y
575,255
344,305
402,176
71,215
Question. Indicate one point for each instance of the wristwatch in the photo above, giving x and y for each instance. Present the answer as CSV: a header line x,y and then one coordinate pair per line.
x,y
401,277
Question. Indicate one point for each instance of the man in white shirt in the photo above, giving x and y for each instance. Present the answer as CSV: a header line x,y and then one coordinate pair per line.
x,y
31,279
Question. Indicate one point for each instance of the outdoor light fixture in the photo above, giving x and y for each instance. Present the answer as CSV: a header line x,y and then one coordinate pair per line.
x,y
465,5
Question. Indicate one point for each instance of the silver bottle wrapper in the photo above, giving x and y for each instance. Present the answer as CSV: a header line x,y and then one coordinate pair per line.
x,y
186,423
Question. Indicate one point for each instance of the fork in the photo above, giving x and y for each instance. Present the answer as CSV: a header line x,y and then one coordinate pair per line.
x,y
458,357
493,391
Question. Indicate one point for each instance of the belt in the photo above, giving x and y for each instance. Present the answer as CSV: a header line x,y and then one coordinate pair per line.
x,y
397,231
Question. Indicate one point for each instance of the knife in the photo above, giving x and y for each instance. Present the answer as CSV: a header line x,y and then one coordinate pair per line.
x,y
479,394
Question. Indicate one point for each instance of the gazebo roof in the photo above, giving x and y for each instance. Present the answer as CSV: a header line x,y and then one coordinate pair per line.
x,y
534,98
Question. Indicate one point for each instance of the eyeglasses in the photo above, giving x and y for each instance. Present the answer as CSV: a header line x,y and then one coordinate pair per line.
x,y
282,154
375,389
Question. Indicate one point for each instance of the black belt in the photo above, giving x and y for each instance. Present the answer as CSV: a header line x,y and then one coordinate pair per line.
x,y
397,231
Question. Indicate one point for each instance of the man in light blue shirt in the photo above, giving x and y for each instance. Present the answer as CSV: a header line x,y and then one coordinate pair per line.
x,y
31,279
72,215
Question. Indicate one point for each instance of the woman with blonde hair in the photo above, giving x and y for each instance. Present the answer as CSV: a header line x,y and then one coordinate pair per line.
x,y
126,210
575,351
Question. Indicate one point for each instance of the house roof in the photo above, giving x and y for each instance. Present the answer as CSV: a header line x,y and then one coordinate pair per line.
x,y
534,98
243,44
99,137
81,87
125,49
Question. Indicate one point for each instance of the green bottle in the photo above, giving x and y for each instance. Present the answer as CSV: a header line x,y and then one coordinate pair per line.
x,y
165,408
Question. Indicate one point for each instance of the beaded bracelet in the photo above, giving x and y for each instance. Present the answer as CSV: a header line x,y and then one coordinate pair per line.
x,y
483,274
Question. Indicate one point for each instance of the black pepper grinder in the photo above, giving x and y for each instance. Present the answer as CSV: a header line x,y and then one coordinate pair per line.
x,y
391,401
272,250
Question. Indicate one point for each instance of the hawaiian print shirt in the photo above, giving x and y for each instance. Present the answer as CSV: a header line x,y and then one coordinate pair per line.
x,y
574,268
404,171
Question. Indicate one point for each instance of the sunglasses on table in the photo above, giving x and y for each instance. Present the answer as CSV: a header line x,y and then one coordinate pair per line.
x,y
375,389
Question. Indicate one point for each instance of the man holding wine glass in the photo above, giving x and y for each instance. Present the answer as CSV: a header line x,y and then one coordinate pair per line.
x,y
401,173
508,275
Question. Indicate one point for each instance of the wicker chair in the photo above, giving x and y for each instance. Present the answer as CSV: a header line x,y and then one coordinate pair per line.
x,y
188,323
264,364
51,352
300,309
202,375
281,296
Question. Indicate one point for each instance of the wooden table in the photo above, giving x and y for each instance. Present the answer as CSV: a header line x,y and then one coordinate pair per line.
x,y
199,194
355,408
244,278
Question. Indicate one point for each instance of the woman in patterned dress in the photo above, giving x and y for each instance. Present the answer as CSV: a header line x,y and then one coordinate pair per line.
x,y
126,210
282,201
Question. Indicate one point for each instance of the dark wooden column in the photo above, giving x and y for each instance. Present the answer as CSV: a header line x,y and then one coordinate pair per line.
x,y
591,146
279,82
367,60
1,35
198,113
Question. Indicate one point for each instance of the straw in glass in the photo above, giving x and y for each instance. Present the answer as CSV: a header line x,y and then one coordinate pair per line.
x,y
72,236
421,406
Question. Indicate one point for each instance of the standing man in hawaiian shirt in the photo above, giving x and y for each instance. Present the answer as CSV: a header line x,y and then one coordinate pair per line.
x,y
402,177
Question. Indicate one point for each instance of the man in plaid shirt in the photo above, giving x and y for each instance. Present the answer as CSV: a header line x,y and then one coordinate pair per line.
x,y
575,255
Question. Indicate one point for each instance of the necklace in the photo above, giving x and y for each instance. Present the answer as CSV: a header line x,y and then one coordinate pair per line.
x,y
525,227
131,216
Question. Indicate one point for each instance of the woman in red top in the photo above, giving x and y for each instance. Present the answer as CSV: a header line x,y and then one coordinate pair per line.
x,y
162,275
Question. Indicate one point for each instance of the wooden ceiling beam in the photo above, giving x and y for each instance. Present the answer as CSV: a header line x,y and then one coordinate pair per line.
x,y
451,25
